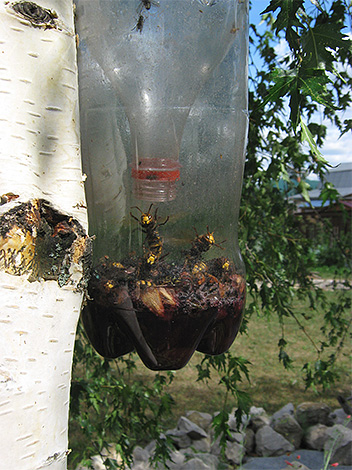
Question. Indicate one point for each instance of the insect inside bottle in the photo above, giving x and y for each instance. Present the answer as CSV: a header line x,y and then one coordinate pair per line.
x,y
140,23
147,4
201,244
153,242
164,305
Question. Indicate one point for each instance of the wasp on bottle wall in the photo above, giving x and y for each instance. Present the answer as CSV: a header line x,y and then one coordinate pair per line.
x,y
152,295
145,4
153,242
202,243
140,23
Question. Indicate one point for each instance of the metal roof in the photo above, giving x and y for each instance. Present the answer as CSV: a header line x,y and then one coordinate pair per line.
x,y
341,178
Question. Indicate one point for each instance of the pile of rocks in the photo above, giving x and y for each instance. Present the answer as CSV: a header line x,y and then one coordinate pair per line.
x,y
309,426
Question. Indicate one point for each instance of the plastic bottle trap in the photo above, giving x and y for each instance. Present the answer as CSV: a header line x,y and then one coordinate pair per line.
x,y
164,309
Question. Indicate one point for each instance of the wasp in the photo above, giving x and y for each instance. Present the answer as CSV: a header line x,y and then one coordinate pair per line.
x,y
153,241
201,275
147,4
202,243
199,272
140,23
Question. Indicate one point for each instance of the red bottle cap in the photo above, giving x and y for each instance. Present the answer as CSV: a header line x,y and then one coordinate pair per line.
x,y
157,169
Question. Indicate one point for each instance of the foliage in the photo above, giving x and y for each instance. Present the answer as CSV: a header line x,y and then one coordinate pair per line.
x,y
284,139
313,76
333,252
231,370
310,75
105,403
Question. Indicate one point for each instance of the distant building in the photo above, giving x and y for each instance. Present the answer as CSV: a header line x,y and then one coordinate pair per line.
x,y
339,214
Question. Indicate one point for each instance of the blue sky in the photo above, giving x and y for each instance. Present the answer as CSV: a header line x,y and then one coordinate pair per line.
x,y
335,150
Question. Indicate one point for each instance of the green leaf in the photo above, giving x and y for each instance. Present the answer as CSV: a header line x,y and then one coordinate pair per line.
x,y
287,19
312,82
306,136
319,43
329,193
304,188
283,84
221,429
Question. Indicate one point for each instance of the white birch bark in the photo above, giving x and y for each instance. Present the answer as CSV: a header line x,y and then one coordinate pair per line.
x,y
39,159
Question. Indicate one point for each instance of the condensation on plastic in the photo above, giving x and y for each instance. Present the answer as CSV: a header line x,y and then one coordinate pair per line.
x,y
163,104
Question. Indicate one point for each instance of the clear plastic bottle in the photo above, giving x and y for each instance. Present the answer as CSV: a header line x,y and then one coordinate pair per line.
x,y
163,99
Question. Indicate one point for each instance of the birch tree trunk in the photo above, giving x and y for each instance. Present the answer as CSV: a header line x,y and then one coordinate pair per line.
x,y
43,226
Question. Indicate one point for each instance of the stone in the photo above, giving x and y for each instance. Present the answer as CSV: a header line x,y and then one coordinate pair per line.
x,y
97,463
286,425
215,447
254,410
271,443
338,416
232,421
196,464
236,437
315,437
192,430
180,438
244,438
309,413
111,453
202,445
150,447
140,454
203,420
209,459
235,453
296,466
258,418
339,444
312,459
142,466
202,461
177,459
249,440
287,409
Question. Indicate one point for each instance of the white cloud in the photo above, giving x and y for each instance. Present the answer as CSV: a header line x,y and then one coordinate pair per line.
x,y
337,150
282,49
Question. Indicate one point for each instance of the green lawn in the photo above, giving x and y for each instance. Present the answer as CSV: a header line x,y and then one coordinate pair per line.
x,y
271,385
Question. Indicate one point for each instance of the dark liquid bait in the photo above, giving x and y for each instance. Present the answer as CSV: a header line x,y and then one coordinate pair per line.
x,y
165,313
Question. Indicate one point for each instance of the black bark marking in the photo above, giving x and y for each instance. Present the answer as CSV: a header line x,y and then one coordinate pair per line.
x,y
38,16
35,238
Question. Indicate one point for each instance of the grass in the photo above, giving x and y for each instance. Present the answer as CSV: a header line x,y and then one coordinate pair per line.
x,y
272,386
331,272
